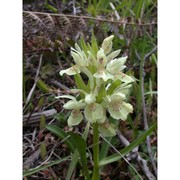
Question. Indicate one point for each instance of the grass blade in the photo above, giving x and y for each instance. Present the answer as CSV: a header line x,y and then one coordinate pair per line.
x,y
35,170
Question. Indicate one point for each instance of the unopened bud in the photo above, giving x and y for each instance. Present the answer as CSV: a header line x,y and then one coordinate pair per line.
x,y
107,44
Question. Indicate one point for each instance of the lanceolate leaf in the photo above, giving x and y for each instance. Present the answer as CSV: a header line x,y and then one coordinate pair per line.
x,y
126,150
81,146
94,43
105,148
101,94
114,85
42,86
80,83
61,134
75,156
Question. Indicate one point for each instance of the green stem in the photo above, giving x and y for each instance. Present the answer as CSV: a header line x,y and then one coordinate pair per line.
x,y
95,152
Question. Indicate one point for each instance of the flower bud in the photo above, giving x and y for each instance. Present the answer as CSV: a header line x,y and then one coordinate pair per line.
x,y
107,44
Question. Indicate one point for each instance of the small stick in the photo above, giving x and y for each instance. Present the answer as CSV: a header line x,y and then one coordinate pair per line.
x,y
93,18
115,11
148,143
35,82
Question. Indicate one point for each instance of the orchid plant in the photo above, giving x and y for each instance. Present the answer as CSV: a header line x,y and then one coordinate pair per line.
x,y
105,91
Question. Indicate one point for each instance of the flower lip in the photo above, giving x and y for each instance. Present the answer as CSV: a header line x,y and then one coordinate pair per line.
x,y
75,118
120,110
107,129
93,112
104,74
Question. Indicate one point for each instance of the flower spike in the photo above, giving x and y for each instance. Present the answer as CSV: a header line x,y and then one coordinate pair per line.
x,y
104,90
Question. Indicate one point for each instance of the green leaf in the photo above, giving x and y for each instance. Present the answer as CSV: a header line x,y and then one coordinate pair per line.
x,y
43,150
80,83
151,93
101,94
83,45
103,5
81,146
61,134
104,148
154,58
138,10
42,86
126,150
50,7
75,156
94,43
42,122
35,170
72,165
113,86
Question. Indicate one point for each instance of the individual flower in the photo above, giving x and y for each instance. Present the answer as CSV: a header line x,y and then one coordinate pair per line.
x,y
75,118
76,115
93,112
123,88
101,70
79,58
110,68
104,74
107,129
115,67
116,106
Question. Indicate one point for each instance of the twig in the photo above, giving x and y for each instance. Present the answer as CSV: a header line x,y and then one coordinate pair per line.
x,y
59,85
52,151
31,159
135,155
57,4
35,82
74,7
30,114
149,53
40,50
35,117
93,18
148,143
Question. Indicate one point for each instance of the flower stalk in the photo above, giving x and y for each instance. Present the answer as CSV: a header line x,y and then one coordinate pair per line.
x,y
95,152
